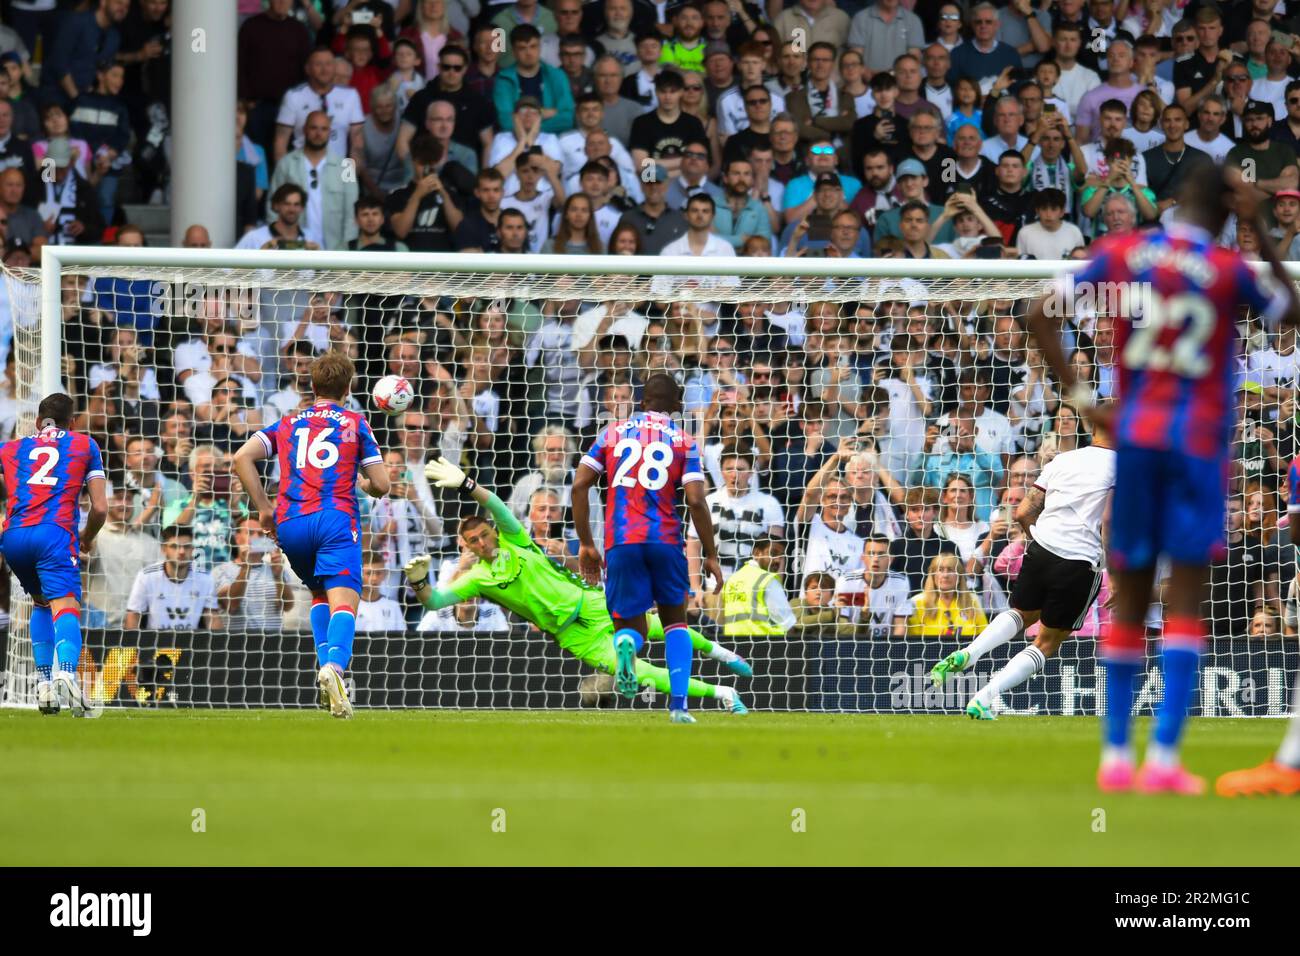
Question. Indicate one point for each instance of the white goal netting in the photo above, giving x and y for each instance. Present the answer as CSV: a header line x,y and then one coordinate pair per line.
x,y
883,428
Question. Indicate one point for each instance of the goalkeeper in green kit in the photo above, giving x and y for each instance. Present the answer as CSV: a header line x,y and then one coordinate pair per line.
x,y
514,572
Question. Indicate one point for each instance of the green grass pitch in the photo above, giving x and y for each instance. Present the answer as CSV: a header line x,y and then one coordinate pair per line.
x,y
435,788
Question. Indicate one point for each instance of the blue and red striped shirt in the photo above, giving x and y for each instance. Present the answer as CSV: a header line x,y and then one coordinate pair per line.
x,y
1177,360
645,460
321,452
44,475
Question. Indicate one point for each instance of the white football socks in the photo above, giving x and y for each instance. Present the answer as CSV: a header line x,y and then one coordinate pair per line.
x,y
1018,670
1109,753
1000,630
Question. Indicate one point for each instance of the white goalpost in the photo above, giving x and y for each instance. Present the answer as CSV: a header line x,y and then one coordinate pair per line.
x,y
828,397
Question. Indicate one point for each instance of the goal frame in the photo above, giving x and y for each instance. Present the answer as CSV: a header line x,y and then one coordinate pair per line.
x,y
57,260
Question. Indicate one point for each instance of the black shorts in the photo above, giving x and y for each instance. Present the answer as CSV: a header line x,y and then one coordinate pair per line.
x,y
1060,589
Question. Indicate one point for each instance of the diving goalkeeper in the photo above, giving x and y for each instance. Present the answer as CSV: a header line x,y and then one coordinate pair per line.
x,y
513,572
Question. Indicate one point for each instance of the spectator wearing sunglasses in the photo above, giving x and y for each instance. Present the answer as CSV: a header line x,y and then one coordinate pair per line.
x,y
1287,129
328,217
694,176
475,117
822,158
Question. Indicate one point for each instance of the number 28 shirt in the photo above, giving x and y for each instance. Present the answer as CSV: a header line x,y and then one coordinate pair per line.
x,y
645,460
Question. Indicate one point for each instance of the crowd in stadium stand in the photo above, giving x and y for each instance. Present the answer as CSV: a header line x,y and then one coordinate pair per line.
x,y
887,439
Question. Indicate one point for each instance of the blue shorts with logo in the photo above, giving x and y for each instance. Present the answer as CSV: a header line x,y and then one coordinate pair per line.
x,y
641,576
45,559
1167,503
324,549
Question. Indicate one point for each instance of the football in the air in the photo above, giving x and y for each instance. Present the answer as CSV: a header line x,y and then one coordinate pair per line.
x,y
393,394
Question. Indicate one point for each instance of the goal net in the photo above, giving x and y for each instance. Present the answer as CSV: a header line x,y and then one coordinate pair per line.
x,y
882,418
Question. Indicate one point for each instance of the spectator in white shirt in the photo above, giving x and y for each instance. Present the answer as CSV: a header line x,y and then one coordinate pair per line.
x,y
401,522
342,103
173,595
121,553
375,612
1207,137
1051,237
700,239
831,546
1008,117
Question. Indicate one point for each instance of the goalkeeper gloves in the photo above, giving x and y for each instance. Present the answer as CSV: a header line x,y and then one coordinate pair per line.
x,y
444,474
417,571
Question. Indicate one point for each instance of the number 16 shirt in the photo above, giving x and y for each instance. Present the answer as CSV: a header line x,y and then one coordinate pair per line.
x,y
321,451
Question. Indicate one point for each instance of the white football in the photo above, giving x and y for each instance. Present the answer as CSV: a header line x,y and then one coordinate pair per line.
x,y
393,394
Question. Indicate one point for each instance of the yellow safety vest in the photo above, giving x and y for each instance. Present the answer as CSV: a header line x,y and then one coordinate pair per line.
x,y
744,604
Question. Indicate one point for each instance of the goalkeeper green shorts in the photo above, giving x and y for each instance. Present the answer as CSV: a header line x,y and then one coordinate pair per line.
x,y
590,636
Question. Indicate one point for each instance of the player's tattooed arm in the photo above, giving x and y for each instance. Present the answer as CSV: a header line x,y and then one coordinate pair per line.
x,y
1030,507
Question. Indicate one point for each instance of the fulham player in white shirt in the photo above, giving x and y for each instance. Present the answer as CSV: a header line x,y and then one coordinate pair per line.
x,y
1064,513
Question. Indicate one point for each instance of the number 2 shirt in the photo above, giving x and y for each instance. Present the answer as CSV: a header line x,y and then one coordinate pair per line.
x,y
44,475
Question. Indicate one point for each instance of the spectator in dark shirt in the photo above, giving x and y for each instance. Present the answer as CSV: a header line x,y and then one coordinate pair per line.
x,y
656,223
801,456
1169,162
85,39
369,213
146,55
16,153
983,56
425,213
101,119
512,232
20,220
273,46
663,133
477,231
475,117
76,220
920,542
27,121
1010,205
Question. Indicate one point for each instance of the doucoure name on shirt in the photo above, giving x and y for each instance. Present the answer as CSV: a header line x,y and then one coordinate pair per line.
x,y
1191,264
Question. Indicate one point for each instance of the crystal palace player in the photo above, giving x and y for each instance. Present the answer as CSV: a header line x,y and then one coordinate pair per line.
x,y
1281,775
1172,428
43,478
322,451
646,459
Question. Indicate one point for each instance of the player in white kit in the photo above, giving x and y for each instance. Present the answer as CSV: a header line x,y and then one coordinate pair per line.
x,y
1065,514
